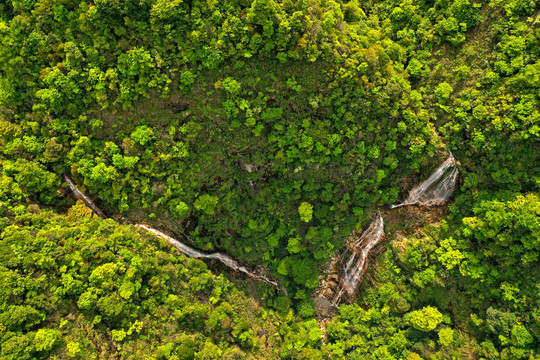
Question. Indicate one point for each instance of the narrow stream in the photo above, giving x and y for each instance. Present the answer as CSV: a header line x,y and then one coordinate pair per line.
x,y
187,250
225,259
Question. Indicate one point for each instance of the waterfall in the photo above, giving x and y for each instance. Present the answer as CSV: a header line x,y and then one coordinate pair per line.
x,y
356,265
437,188
189,251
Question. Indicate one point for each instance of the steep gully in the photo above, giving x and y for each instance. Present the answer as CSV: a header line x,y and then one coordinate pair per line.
x,y
189,251
434,191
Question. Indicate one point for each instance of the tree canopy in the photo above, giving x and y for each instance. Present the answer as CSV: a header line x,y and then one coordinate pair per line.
x,y
269,130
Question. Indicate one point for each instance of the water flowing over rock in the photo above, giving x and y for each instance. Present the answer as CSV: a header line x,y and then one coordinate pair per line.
x,y
189,251
356,265
437,189
81,196
225,259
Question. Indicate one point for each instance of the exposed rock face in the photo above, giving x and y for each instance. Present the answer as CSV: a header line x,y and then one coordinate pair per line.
x,y
436,189
342,285
324,308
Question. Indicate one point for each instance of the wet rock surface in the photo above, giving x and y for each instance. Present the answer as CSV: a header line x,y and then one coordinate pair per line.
x,y
344,278
324,308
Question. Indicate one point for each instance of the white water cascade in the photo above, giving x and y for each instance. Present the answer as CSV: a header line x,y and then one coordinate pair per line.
x,y
225,259
436,189
356,265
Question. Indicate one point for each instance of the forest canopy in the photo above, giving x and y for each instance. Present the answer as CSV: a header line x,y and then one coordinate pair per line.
x,y
268,130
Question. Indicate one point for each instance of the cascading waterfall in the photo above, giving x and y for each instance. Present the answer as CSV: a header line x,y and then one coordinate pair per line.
x,y
437,188
356,265
189,251
434,191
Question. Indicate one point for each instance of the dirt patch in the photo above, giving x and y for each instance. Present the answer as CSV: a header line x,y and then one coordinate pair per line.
x,y
408,219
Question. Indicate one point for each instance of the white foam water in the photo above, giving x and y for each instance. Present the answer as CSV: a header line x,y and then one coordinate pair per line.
x,y
436,189
187,250
356,265
225,259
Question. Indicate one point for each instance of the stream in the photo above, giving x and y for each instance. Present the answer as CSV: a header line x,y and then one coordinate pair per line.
x,y
434,191
185,249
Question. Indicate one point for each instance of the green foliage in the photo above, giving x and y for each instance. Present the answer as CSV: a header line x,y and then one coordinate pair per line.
x,y
206,203
29,177
426,319
178,208
100,280
98,80
286,125
443,91
45,339
142,135
306,211
230,85
446,336
73,349
415,67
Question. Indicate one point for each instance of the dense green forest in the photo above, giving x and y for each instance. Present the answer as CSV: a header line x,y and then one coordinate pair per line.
x,y
269,130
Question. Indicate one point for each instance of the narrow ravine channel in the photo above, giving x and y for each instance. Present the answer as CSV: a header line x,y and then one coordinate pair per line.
x,y
434,191
185,249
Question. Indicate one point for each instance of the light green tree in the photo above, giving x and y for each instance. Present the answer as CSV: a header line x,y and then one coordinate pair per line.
x,y
206,203
46,338
443,91
446,336
425,319
306,211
